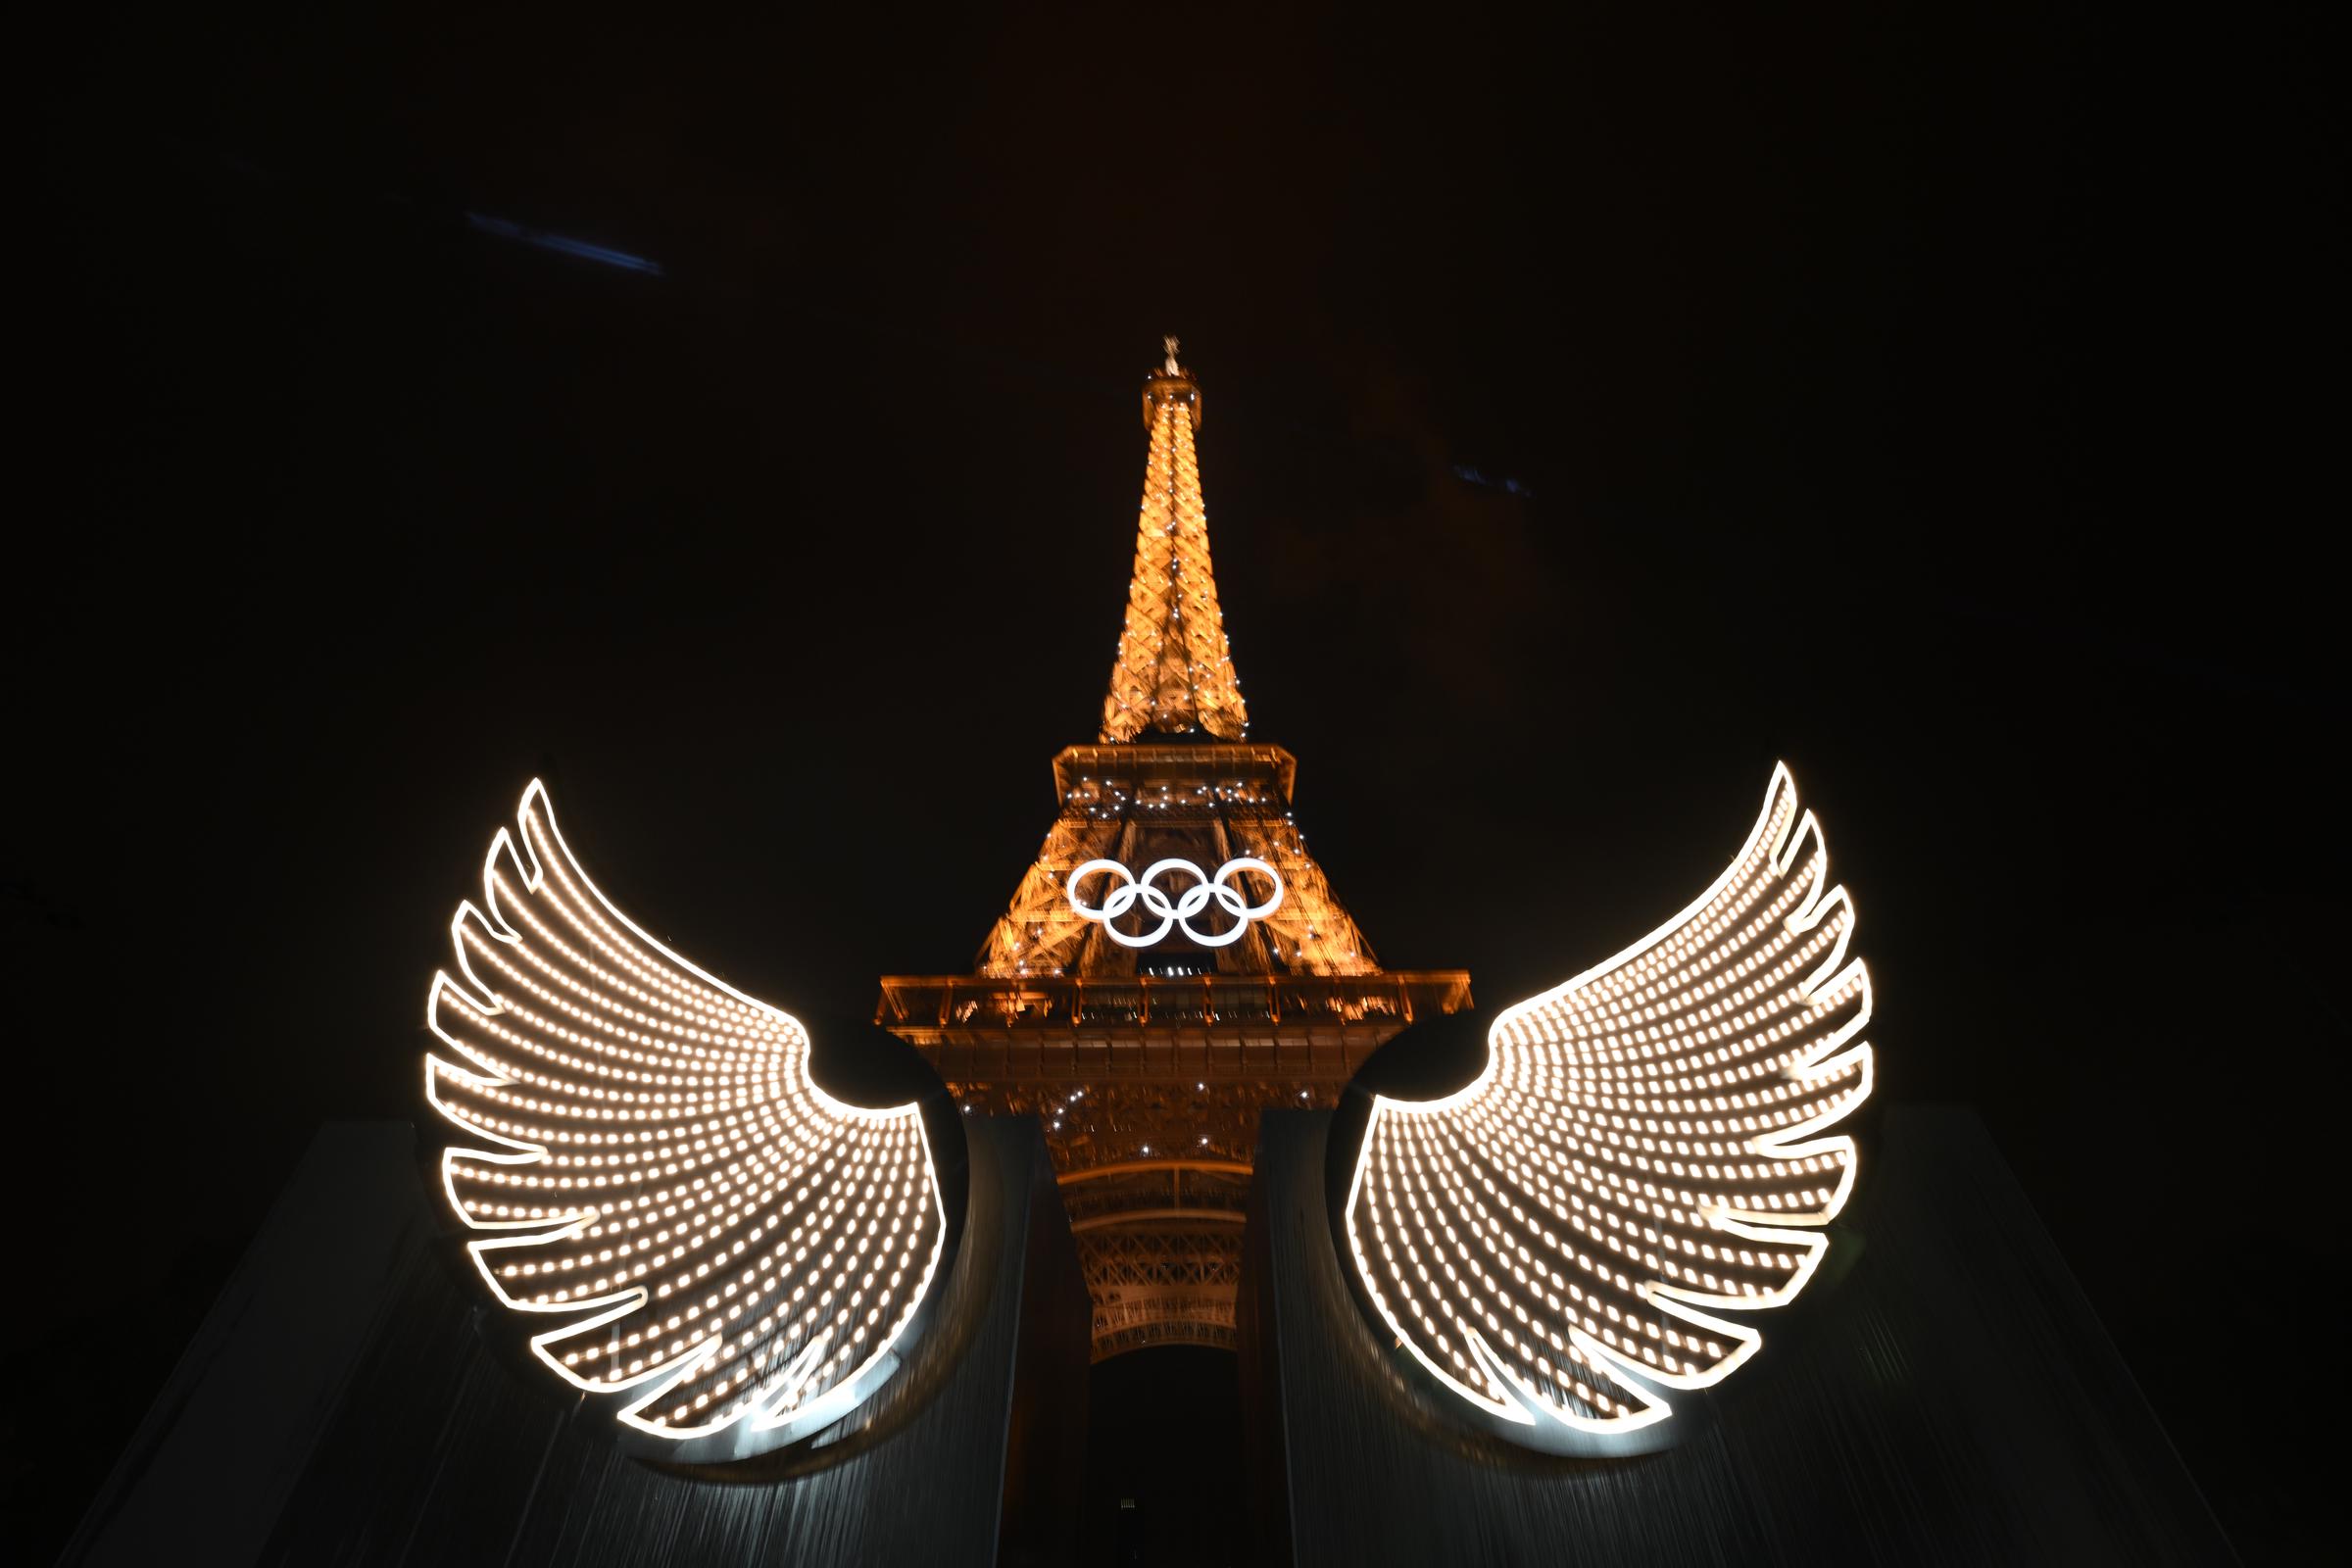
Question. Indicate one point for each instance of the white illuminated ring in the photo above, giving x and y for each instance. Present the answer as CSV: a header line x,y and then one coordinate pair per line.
x,y
1176,912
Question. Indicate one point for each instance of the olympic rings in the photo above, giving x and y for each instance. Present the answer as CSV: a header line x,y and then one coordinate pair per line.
x,y
1179,911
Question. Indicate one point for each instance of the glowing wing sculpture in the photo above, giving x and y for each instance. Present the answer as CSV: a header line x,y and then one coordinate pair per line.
x,y
718,1243
1644,1152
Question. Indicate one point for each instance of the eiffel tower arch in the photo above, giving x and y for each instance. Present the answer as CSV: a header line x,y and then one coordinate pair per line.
x,y
1174,961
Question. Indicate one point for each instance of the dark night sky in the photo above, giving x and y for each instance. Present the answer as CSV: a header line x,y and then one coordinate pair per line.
x,y
1933,397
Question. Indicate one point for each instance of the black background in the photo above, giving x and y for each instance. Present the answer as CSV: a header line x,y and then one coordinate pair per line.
x,y
1946,400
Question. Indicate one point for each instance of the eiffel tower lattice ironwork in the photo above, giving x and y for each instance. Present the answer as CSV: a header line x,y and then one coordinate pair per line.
x,y
1146,1016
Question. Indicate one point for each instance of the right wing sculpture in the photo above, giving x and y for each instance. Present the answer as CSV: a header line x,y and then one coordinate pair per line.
x,y
717,1241
1645,1150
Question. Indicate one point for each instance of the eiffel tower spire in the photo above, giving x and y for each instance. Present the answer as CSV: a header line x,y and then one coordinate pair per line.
x,y
1174,671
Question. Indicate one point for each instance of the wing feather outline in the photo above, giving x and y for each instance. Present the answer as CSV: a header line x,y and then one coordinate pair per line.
x,y
1645,1149
727,1245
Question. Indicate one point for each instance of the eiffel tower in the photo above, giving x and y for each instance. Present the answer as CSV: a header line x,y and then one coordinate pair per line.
x,y
1174,961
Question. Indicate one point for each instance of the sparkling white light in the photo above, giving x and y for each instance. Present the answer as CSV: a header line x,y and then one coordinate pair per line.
x,y
1643,1152
717,1236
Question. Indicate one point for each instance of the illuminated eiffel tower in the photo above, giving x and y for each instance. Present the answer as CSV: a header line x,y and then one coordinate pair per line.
x,y
1147,1012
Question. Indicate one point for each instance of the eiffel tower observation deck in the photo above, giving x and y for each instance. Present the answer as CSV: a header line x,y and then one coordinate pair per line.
x,y
1173,960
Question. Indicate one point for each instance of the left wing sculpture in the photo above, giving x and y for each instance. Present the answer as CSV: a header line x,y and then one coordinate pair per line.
x,y
727,1251
1644,1152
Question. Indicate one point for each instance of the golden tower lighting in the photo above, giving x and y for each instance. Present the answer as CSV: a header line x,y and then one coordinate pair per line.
x,y
1173,960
